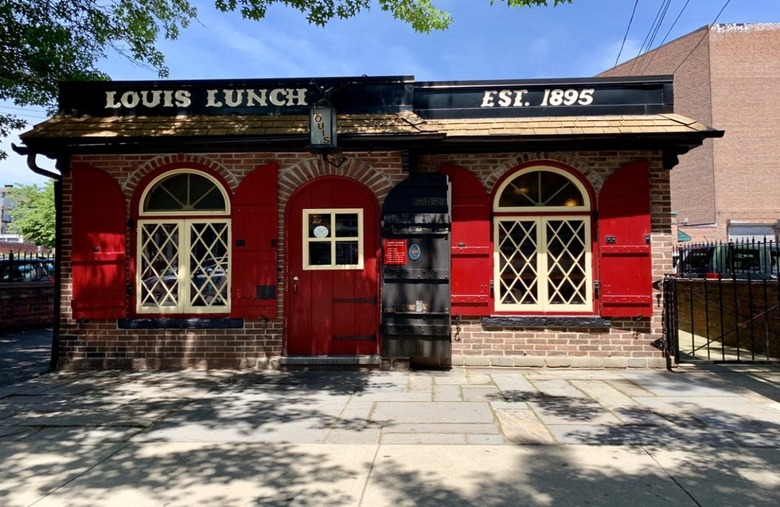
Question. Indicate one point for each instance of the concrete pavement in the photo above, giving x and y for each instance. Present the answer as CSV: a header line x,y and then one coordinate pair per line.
x,y
698,436
489,437
24,354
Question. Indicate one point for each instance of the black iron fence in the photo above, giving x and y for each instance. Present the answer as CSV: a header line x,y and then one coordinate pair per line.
x,y
723,304
739,260
22,268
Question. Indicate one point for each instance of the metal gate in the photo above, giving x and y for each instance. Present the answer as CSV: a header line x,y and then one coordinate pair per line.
x,y
721,320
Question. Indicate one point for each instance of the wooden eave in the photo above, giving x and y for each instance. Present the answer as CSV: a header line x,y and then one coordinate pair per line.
x,y
64,135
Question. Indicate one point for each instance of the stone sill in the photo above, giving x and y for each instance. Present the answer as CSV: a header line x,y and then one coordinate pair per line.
x,y
170,323
546,322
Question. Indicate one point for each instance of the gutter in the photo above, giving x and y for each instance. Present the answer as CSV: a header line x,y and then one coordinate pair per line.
x,y
32,164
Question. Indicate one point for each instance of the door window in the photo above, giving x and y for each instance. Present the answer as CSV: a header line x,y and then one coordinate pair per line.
x,y
332,239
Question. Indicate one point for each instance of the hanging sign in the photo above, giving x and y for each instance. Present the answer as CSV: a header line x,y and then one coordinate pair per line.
x,y
322,125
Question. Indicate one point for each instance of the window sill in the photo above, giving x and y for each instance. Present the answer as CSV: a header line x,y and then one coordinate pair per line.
x,y
549,321
186,323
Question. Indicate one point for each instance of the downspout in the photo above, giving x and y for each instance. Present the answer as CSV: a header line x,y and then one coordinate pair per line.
x,y
32,164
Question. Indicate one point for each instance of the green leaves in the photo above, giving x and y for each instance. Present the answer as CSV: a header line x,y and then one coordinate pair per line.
x,y
33,214
422,15
44,42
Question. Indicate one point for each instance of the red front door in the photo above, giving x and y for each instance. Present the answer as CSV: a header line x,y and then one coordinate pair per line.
x,y
332,271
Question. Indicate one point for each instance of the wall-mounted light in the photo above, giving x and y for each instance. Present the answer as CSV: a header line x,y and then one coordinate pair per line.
x,y
322,125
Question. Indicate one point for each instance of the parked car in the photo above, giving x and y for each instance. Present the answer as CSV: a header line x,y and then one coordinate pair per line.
x,y
26,270
755,261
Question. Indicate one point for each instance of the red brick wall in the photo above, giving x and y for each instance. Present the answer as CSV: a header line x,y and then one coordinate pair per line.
x,y
259,344
745,70
26,305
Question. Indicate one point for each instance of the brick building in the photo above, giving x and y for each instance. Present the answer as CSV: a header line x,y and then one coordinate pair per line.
x,y
725,75
250,224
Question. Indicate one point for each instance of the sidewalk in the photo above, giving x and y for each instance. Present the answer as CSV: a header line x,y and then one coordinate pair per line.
x,y
24,355
698,436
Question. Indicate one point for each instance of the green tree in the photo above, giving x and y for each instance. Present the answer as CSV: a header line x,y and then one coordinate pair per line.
x,y
32,213
43,42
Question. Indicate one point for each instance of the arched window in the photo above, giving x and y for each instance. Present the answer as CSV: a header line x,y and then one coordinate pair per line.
x,y
542,242
183,245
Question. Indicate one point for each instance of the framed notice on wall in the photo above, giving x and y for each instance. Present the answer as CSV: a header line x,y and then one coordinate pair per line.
x,y
395,251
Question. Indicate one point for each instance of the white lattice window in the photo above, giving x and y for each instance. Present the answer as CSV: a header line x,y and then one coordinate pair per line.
x,y
542,243
183,263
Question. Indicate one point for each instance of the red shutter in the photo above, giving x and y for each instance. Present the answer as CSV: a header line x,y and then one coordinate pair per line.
x,y
254,261
624,243
471,250
99,251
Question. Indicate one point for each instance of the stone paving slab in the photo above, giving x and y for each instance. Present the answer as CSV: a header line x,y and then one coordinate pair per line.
x,y
523,427
354,436
676,384
512,382
231,475
636,435
85,434
424,438
433,412
627,387
33,470
15,433
485,428
724,476
456,377
563,410
518,475
607,395
481,393
447,392
558,388
391,396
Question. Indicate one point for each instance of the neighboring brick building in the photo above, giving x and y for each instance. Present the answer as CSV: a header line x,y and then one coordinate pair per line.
x,y
224,224
727,76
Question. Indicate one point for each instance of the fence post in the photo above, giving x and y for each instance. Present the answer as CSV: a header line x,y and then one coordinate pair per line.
x,y
669,314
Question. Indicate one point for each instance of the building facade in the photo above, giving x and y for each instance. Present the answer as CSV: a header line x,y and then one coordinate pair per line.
x,y
725,75
363,221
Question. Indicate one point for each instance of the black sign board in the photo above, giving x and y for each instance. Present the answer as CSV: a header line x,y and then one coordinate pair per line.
x,y
535,98
257,97
370,95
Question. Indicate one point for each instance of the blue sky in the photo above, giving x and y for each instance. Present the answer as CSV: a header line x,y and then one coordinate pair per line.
x,y
484,43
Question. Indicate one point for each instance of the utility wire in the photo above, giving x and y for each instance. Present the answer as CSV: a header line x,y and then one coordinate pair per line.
x,y
707,31
652,56
651,33
636,2
32,113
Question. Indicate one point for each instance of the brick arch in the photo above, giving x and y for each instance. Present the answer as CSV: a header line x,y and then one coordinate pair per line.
x,y
133,179
576,163
294,176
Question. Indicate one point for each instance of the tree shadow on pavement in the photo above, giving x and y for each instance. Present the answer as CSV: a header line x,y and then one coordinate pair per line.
x,y
167,436
575,409
695,456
